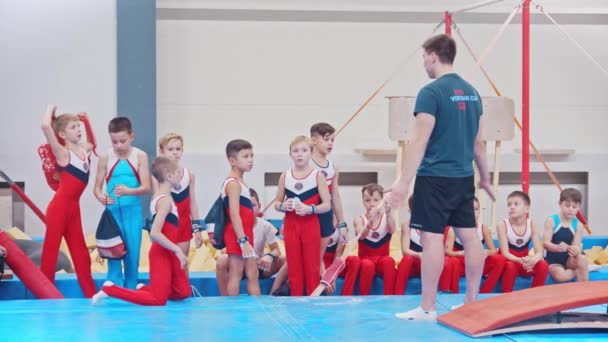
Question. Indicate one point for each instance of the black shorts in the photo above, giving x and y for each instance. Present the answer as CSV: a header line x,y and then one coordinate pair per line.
x,y
443,201
326,221
557,258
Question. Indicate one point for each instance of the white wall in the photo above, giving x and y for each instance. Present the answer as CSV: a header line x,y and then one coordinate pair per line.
x,y
61,52
233,79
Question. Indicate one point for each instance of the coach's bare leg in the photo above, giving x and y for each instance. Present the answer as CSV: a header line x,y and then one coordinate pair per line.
x,y
474,258
431,267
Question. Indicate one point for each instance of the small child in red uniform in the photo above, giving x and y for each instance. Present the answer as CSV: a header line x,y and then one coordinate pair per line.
x,y
302,193
322,136
265,236
168,263
514,236
63,212
238,232
374,242
172,146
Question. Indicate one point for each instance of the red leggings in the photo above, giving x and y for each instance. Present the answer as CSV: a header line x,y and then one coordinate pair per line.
x,y
383,266
167,281
350,271
63,220
492,269
303,249
512,270
411,267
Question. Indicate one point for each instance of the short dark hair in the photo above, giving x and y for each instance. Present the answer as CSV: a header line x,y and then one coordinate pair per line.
x,y
521,195
371,188
322,129
161,166
120,124
571,195
443,46
254,194
235,146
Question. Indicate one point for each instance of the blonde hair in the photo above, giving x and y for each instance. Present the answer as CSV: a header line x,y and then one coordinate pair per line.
x,y
61,122
165,139
161,166
300,139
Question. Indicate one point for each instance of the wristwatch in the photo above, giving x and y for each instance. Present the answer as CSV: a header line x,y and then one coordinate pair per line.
x,y
242,240
197,226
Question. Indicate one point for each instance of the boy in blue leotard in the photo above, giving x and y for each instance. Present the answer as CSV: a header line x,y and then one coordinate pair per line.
x,y
124,169
562,239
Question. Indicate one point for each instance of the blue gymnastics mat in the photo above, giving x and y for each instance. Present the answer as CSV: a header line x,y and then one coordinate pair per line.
x,y
242,318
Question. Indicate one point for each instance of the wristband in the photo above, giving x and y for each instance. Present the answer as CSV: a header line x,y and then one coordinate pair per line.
x,y
242,240
312,209
197,226
274,257
342,225
281,207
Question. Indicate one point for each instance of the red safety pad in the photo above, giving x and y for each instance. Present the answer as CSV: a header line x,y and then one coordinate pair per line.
x,y
499,311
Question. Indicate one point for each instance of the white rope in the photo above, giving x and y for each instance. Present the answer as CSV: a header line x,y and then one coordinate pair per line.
x,y
561,28
494,40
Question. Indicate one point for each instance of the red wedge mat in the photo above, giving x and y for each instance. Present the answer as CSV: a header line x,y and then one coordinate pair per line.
x,y
500,311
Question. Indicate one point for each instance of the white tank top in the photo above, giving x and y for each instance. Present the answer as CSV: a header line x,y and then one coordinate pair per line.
x,y
132,158
244,189
515,239
378,232
299,186
328,171
155,200
80,164
184,183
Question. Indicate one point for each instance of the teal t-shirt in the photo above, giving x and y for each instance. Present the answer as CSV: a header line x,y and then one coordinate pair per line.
x,y
456,106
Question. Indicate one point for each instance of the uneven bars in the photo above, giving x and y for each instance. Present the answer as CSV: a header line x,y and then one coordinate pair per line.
x,y
474,6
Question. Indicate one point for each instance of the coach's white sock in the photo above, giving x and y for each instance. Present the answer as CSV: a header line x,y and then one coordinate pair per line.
x,y
418,314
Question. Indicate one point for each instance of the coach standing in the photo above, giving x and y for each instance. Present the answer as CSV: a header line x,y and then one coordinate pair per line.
x,y
447,139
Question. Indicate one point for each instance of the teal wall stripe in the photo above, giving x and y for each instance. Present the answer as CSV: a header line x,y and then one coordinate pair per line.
x,y
136,69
